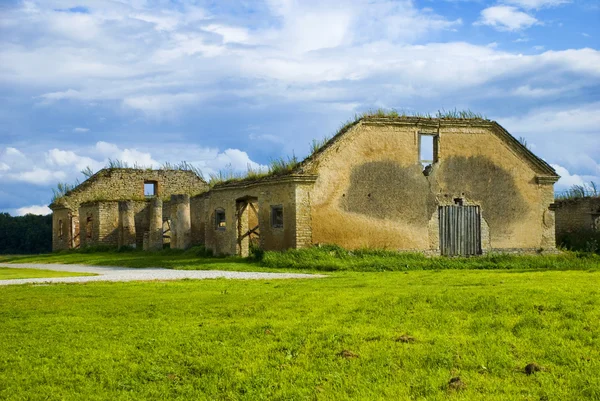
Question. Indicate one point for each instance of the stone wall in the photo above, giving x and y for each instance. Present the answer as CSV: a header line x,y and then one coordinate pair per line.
x,y
574,215
89,220
128,184
198,219
122,184
290,195
61,232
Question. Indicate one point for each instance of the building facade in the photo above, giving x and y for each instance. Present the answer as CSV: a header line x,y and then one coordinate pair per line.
x,y
438,186
90,213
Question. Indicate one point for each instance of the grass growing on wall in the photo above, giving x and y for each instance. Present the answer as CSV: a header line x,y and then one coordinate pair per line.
x,y
591,190
354,336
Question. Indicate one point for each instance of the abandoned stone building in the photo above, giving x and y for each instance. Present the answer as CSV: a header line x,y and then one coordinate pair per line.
x,y
434,185
116,206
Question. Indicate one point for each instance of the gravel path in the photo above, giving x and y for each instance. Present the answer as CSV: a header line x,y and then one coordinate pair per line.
x,y
138,274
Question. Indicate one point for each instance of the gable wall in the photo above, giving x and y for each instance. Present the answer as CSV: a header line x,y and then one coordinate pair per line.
x,y
126,184
371,191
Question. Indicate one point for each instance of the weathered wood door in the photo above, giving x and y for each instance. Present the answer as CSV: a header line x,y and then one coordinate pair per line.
x,y
460,230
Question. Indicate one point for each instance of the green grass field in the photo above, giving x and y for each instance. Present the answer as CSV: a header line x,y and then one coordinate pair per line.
x,y
326,258
167,259
335,338
11,274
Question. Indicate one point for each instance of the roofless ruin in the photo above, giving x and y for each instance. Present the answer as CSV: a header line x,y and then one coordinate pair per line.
x,y
450,186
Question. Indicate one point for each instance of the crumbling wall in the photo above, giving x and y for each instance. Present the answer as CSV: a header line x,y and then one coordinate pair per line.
x,y
127,184
61,233
198,219
88,224
574,215
293,197
371,190
141,209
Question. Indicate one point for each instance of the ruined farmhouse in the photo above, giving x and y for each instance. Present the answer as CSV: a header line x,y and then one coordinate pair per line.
x,y
434,185
116,206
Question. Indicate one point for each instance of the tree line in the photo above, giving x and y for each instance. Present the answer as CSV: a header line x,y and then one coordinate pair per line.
x,y
25,234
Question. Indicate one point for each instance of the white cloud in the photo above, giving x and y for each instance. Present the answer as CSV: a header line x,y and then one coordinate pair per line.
x,y
528,91
536,4
130,156
81,130
73,26
33,209
230,34
14,152
12,158
60,165
163,105
584,118
566,137
567,180
62,95
39,176
506,18
61,158
265,137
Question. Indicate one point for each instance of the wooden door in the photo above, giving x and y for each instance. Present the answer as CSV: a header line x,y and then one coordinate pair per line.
x,y
460,230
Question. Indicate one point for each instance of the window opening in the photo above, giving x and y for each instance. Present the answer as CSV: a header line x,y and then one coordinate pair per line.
x,y
220,223
60,228
88,227
150,188
277,216
428,151
458,201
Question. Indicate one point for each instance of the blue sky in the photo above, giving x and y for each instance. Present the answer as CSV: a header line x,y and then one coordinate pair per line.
x,y
230,83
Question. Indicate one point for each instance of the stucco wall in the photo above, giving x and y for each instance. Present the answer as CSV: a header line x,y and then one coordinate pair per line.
x,y
371,190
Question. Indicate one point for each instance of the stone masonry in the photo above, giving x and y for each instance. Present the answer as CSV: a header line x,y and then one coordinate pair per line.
x,y
366,187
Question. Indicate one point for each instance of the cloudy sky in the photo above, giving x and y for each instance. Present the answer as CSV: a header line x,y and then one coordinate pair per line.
x,y
222,84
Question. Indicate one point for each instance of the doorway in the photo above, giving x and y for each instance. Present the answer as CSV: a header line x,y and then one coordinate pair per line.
x,y
460,230
248,233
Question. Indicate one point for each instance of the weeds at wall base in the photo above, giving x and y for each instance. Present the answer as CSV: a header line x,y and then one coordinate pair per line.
x,y
324,258
334,258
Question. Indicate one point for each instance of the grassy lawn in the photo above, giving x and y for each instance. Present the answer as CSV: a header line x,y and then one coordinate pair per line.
x,y
326,258
10,274
335,338
167,259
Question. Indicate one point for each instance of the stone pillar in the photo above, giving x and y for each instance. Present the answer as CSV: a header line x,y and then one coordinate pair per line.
x,y
155,234
181,225
126,224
